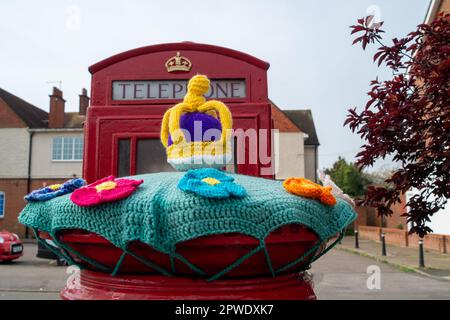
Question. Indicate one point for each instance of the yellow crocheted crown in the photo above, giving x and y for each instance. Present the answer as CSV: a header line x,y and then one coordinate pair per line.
x,y
183,154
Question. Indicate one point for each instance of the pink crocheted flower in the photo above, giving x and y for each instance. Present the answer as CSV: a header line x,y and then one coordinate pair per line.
x,y
105,190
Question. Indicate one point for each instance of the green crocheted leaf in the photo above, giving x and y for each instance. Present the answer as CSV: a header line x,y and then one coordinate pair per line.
x,y
161,215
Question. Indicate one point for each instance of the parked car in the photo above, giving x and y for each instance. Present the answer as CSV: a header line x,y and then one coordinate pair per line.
x,y
45,253
11,246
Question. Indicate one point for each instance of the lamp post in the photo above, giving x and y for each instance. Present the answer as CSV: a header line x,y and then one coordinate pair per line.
x,y
356,239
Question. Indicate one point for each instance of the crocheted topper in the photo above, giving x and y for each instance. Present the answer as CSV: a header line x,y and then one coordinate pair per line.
x,y
196,133
210,202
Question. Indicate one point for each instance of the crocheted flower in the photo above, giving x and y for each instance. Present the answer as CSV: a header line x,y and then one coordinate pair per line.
x,y
105,190
306,188
210,183
55,190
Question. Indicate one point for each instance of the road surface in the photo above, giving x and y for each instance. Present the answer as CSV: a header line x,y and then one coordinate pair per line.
x,y
337,275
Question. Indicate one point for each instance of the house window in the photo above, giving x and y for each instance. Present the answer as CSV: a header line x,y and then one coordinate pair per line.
x,y
67,149
2,204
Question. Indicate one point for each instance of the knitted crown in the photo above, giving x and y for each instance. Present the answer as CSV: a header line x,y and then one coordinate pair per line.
x,y
196,133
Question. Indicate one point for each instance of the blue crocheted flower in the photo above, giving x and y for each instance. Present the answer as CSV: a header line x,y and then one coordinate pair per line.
x,y
55,190
210,183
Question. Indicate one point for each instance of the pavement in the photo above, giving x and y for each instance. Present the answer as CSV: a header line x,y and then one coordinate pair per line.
x,y
437,265
31,278
337,275
342,275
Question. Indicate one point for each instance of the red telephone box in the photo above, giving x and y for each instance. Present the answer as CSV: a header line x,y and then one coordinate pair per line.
x,y
131,91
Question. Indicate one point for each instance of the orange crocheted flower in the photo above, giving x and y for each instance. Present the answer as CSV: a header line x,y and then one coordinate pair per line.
x,y
306,188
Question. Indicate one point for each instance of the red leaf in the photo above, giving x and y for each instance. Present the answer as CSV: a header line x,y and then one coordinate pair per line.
x,y
357,29
375,57
358,40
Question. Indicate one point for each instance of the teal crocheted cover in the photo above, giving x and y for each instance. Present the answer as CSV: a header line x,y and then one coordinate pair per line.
x,y
162,215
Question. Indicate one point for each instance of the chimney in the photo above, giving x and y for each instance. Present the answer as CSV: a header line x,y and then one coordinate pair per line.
x,y
57,106
84,102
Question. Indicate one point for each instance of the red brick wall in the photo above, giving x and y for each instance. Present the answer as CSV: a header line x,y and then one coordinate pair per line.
x,y
8,118
57,107
15,190
371,233
398,237
367,216
438,242
361,219
445,6
396,220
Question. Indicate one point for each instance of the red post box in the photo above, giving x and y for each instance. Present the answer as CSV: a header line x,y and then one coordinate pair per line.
x,y
130,93
132,90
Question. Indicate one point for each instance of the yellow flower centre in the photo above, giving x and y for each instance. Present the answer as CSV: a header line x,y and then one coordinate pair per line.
x,y
55,186
108,185
211,181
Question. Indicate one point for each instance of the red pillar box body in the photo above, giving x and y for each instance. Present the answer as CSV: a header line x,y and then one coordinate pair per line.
x,y
251,280
100,286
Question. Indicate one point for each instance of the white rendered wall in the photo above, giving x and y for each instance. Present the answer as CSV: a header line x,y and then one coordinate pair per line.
x,y
42,165
440,221
290,152
14,143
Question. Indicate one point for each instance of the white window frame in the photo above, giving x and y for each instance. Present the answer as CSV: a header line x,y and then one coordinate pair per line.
x,y
2,212
62,149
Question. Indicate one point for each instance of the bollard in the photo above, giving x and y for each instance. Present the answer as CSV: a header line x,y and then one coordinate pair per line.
x,y
341,237
383,245
356,239
421,255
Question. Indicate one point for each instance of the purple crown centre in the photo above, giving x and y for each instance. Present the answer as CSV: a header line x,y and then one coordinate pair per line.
x,y
208,122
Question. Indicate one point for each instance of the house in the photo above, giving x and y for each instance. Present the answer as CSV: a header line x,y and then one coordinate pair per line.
x,y
440,222
296,148
435,7
38,149
303,119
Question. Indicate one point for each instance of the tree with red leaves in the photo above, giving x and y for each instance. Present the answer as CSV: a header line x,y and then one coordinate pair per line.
x,y
408,118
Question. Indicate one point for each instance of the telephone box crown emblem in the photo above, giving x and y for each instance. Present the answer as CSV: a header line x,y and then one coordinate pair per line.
x,y
178,63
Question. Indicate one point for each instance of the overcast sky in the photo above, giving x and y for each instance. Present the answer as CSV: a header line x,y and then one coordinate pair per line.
x,y
307,43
